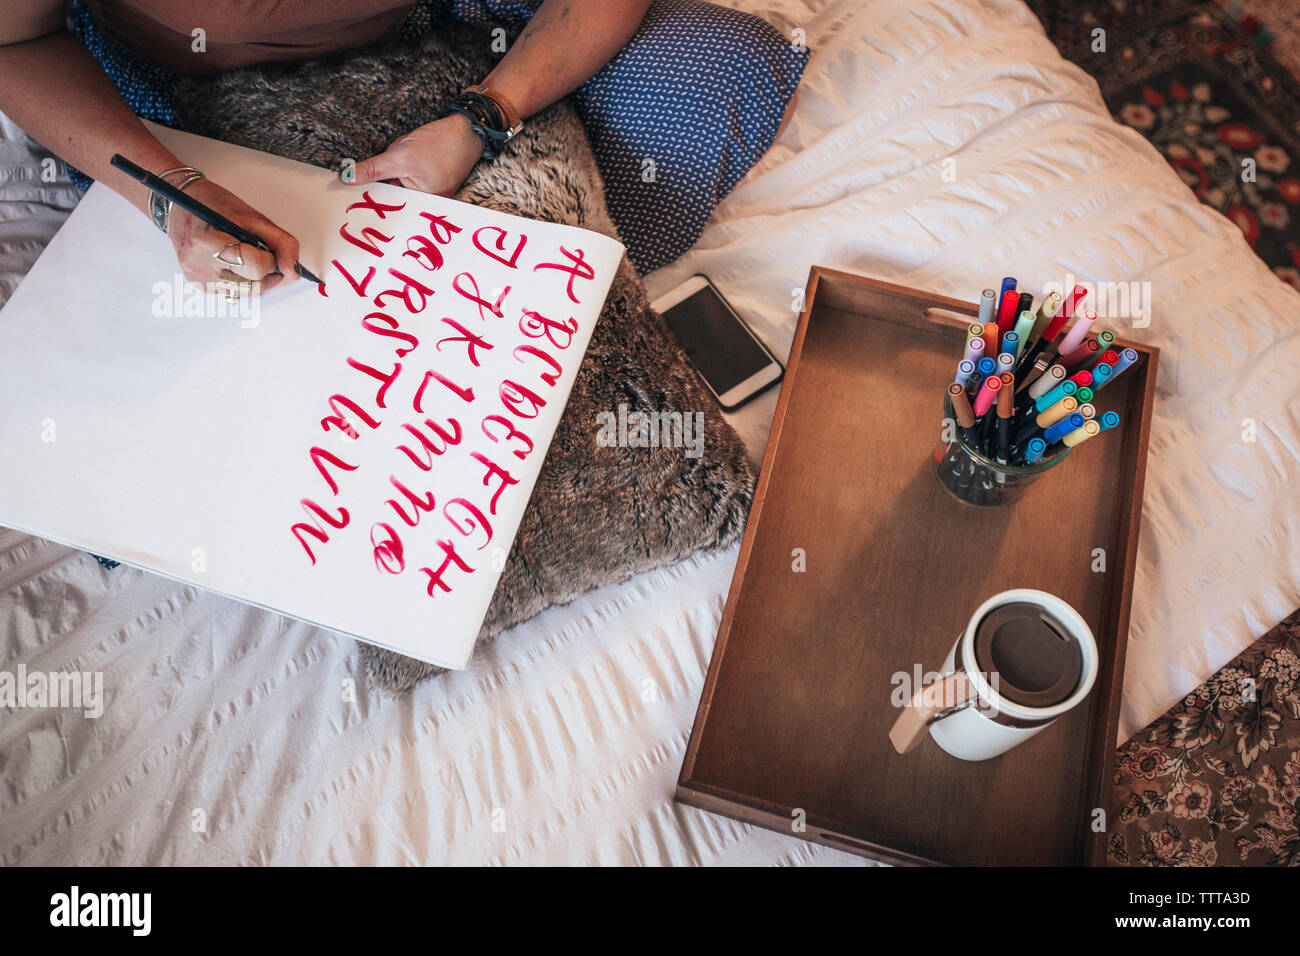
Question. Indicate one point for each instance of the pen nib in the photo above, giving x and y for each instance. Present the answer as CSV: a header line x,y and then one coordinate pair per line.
x,y
303,271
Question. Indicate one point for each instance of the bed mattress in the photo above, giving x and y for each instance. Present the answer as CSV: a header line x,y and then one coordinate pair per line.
x,y
937,144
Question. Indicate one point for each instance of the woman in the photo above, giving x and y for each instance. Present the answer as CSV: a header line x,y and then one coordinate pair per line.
x,y
680,98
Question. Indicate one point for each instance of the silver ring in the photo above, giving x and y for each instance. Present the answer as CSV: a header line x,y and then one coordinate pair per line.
x,y
220,254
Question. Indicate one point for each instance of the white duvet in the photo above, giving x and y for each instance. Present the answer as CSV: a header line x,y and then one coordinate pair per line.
x,y
232,735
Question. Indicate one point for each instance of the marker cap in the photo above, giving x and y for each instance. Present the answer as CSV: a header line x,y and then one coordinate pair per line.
x,y
1126,358
1074,338
1084,353
1108,357
1081,434
988,392
990,338
1065,313
961,405
1053,377
988,301
1051,305
1024,328
1063,428
1102,374
1007,310
1055,413
1055,395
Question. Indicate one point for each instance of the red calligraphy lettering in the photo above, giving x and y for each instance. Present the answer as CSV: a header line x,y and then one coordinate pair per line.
x,y
387,380
410,288
477,297
314,529
367,243
500,245
425,504
320,457
388,553
431,448
466,394
392,332
450,557
469,521
424,251
550,378
535,325
440,227
471,341
578,268
358,287
380,209
513,396
511,432
340,421
494,471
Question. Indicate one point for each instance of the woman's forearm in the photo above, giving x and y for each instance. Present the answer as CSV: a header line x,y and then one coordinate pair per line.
x,y
564,45
53,88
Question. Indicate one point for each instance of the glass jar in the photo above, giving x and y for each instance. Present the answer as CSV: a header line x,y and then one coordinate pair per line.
x,y
973,477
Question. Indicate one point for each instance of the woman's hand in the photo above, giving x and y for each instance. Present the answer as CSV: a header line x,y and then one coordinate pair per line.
x,y
197,245
435,158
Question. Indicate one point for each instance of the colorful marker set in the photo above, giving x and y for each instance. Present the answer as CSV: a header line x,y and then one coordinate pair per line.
x,y
1025,389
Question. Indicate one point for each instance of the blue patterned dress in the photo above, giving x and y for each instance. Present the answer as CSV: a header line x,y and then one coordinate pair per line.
x,y
675,119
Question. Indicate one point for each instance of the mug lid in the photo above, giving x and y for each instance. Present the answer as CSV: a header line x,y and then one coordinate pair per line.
x,y
1036,659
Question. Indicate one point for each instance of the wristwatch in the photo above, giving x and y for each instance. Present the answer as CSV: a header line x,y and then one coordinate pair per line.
x,y
492,117
160,208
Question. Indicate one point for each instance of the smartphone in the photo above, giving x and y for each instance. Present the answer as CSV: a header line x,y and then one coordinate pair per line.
x,y
734,364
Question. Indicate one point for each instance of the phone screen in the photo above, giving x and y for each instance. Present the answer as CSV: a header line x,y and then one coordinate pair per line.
x,y
715,340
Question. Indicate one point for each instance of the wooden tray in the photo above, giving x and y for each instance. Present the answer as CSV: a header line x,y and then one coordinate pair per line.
x,y
793,724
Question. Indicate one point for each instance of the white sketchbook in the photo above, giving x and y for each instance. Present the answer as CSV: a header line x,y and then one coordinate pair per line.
x,y
360,460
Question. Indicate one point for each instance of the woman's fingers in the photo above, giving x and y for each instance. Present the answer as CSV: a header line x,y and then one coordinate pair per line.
x,y
385,165
284,249
244,260
204,252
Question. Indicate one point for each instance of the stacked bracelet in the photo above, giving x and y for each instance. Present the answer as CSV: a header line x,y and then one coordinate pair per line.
x,y
491,117
160,208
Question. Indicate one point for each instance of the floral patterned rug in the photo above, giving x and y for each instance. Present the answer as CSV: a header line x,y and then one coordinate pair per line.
x,y
1216,779
1201,84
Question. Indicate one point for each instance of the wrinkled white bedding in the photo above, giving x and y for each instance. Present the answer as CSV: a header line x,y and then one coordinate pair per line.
x,y
231,735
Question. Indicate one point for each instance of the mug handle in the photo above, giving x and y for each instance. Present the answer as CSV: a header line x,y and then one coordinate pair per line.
x,y
937,700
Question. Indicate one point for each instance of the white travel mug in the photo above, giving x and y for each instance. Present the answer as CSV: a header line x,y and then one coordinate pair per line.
x,y
1025,658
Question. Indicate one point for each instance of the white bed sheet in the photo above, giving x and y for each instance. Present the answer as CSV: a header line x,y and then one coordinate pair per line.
x,y
562,742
